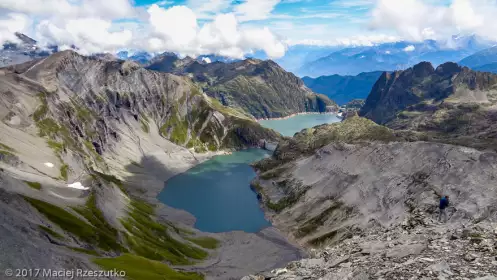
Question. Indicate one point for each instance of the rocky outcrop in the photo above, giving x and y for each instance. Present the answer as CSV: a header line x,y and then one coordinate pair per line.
x,y
260,88
450,104
434,252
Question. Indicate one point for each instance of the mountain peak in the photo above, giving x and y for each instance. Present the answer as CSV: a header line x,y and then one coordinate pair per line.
x,y
449,68
423,69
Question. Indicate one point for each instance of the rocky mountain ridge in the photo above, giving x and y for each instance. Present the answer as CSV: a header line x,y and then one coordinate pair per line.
x,y
451,104
86,145
260,88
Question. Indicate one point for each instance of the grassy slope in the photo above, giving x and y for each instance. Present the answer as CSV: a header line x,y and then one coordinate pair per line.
x,y
144,247
140,268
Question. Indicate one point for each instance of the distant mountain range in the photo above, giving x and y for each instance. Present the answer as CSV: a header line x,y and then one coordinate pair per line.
x,y
298,55
313,61
492,67
485,60
343,89
393,56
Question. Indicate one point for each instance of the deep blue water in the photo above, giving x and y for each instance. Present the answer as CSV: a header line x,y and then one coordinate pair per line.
x,y
217,192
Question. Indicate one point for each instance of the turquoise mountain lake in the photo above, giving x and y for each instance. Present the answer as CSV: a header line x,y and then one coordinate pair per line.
x,y
217,192
290,126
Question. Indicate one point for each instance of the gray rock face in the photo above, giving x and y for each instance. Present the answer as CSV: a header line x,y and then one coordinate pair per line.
x,y
349,187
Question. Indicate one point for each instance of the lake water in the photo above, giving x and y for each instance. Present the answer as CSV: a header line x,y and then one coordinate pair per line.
x,y
290,126
217,192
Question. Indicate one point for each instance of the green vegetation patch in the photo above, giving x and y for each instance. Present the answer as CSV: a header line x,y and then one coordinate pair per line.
x,y
287,201
109,179
273,173
52,233
150,239
106,177
144,126
64,169
198,146
83,114
320,240
6,148
57,147
34,185
6,154
205,242
48,127
42,109
71,223
237,112
176,128
140,268
314,223
107,235
89,146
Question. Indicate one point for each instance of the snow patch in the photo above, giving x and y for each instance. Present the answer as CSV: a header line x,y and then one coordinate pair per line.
x,y
206,60
49,164
77,185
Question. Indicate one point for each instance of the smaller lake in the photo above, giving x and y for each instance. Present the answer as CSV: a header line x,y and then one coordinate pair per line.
x,y
217,192
290,126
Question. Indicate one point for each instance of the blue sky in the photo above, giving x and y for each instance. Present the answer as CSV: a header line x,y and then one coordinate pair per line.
x,y
313,21
237,27
300,19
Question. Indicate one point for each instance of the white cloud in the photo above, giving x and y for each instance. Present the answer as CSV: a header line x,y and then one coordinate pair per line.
x,y
222,36
11,23
177,26
255,9
71,8
418,20
90,35
206,60
409,48
107,26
